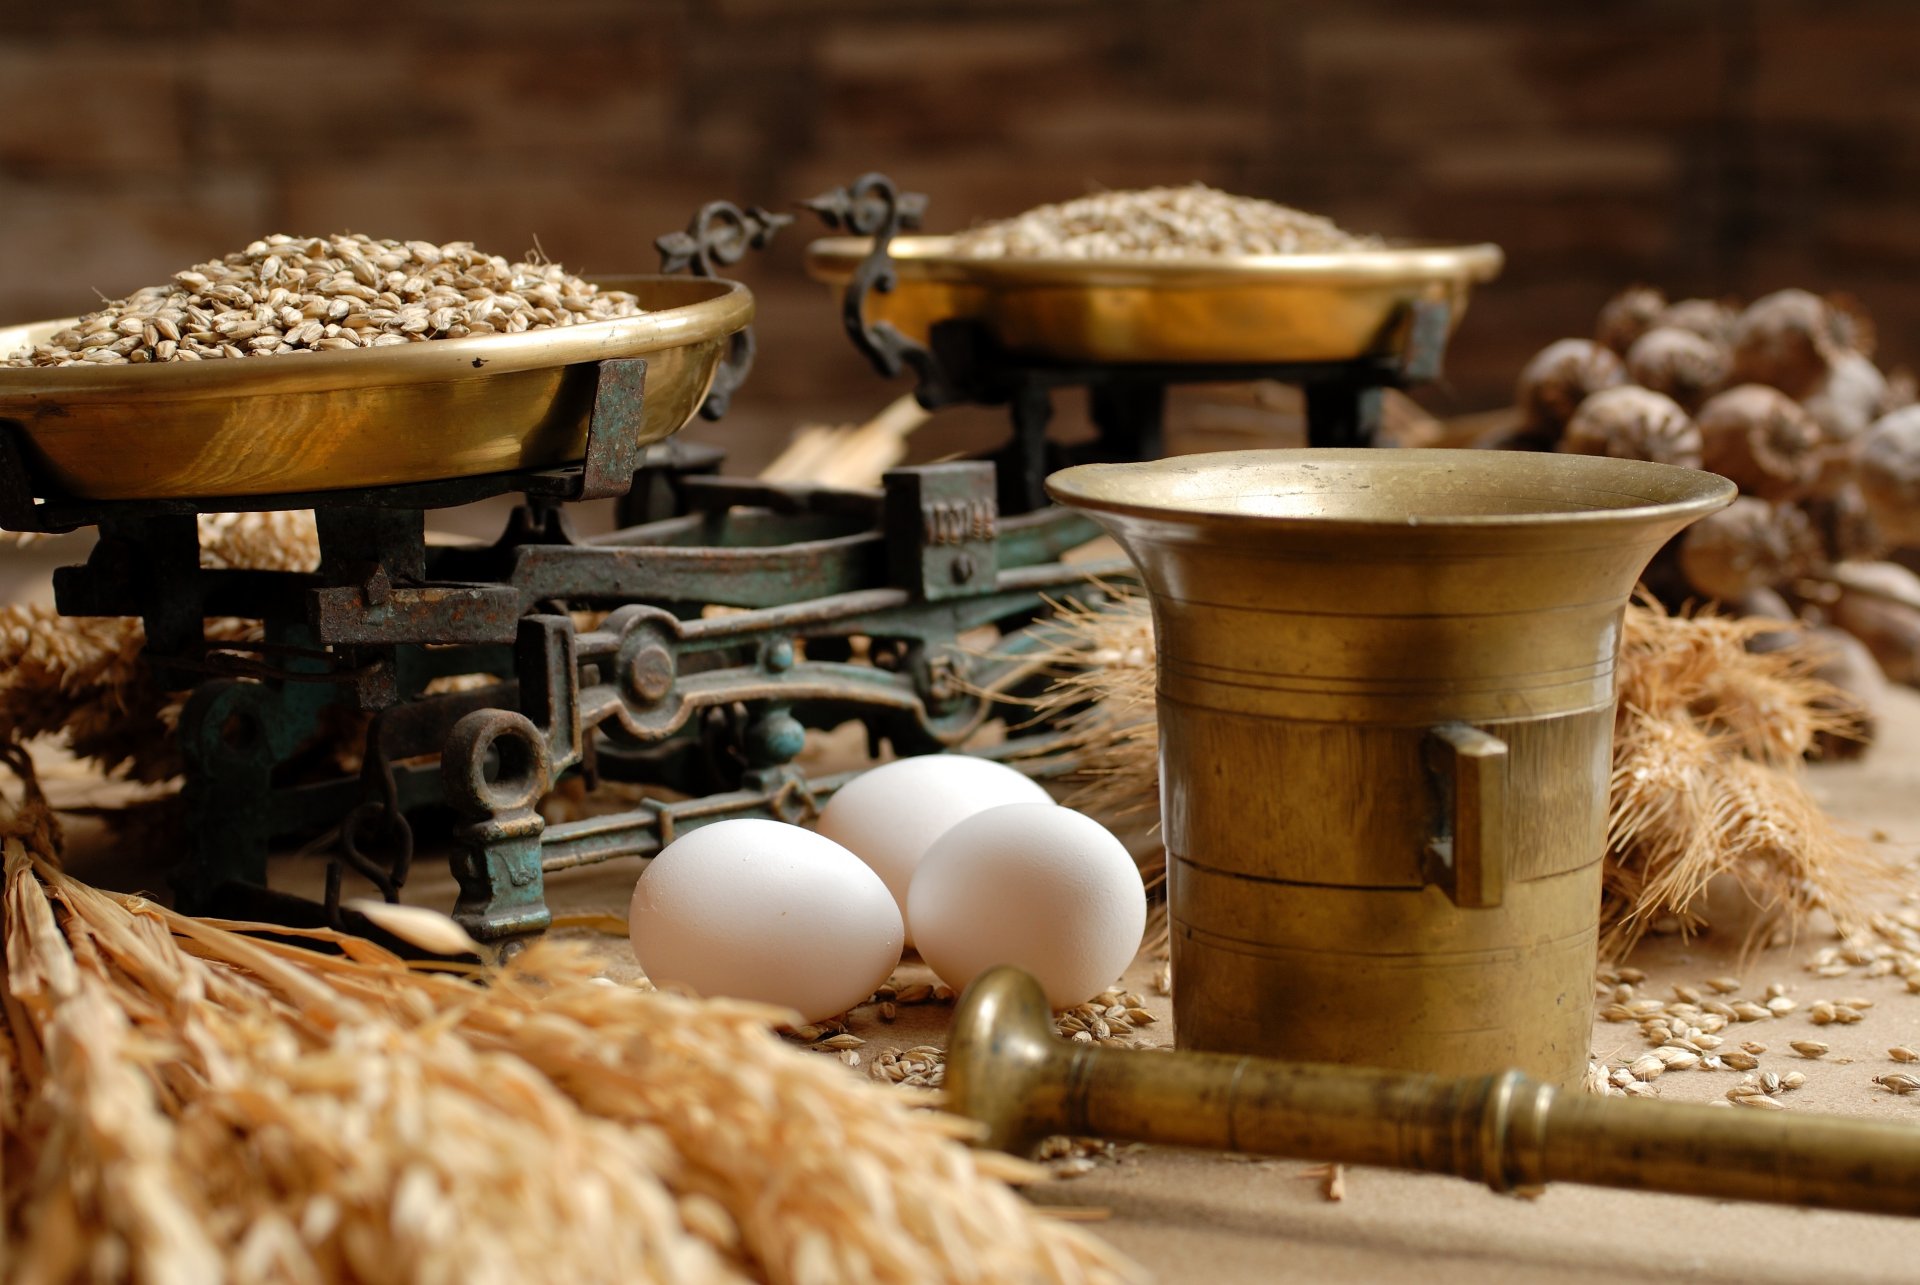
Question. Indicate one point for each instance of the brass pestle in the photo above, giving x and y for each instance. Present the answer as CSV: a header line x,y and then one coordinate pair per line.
x,y
1008,1070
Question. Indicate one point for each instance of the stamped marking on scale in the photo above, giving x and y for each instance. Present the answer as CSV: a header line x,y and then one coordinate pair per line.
x,y
958,521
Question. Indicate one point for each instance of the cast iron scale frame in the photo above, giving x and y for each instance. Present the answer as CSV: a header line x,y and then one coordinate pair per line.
x,y
657,691
660,690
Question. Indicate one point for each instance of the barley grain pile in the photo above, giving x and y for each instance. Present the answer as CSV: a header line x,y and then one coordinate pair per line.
x,y
184,1103
1188,222
285,295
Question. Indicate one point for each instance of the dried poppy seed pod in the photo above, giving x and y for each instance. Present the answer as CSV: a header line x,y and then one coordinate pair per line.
x,y
1836,465
1787,340
1849,397
1765,604
1890,629
1748,545
1560,377
1842,521
1903,389
1711,319
1627,316
1855,323
1679,363
1846,665
1761,440
1630,423
1849,666
1889,472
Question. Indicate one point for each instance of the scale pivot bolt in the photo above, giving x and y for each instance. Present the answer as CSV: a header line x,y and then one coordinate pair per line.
x,y
650,673
962,568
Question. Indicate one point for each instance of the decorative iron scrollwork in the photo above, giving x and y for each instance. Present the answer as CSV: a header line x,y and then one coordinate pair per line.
x,y
376,839
719,236
872,206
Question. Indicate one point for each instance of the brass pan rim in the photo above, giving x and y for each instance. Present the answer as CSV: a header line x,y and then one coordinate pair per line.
x,y
1125,489
930,258
713,308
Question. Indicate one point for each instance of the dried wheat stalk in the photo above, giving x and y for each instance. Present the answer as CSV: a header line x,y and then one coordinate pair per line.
x,y
1705,780
1102,661
281,541
1707,744
849,454
184,1103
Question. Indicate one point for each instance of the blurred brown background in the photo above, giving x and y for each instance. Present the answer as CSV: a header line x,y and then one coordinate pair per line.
x,y
1708,146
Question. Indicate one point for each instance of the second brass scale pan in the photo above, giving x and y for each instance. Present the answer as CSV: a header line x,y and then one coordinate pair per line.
x,y
1275,308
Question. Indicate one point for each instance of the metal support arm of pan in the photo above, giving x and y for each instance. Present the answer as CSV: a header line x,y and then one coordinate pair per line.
x,y
873,206
719,236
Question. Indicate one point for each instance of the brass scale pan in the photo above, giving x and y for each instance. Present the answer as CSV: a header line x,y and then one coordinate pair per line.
x,y
398,414
1253,309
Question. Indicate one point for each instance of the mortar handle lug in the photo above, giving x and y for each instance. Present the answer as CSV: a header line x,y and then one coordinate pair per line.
x,y
1467,855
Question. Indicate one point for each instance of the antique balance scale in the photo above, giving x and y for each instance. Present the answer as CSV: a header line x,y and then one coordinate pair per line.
x,y
843,604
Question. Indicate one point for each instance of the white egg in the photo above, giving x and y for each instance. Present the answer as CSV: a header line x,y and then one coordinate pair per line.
x,y
888,817
765,911
1033,885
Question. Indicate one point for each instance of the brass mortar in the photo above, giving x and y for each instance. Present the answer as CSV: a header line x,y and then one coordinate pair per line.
x,y
1386,695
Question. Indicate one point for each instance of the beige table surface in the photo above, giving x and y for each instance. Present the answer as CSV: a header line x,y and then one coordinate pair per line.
x,y
1201,1217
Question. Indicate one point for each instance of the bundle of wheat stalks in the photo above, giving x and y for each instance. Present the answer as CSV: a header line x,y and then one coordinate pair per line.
x,y
1708,742
183,1102
1707,749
